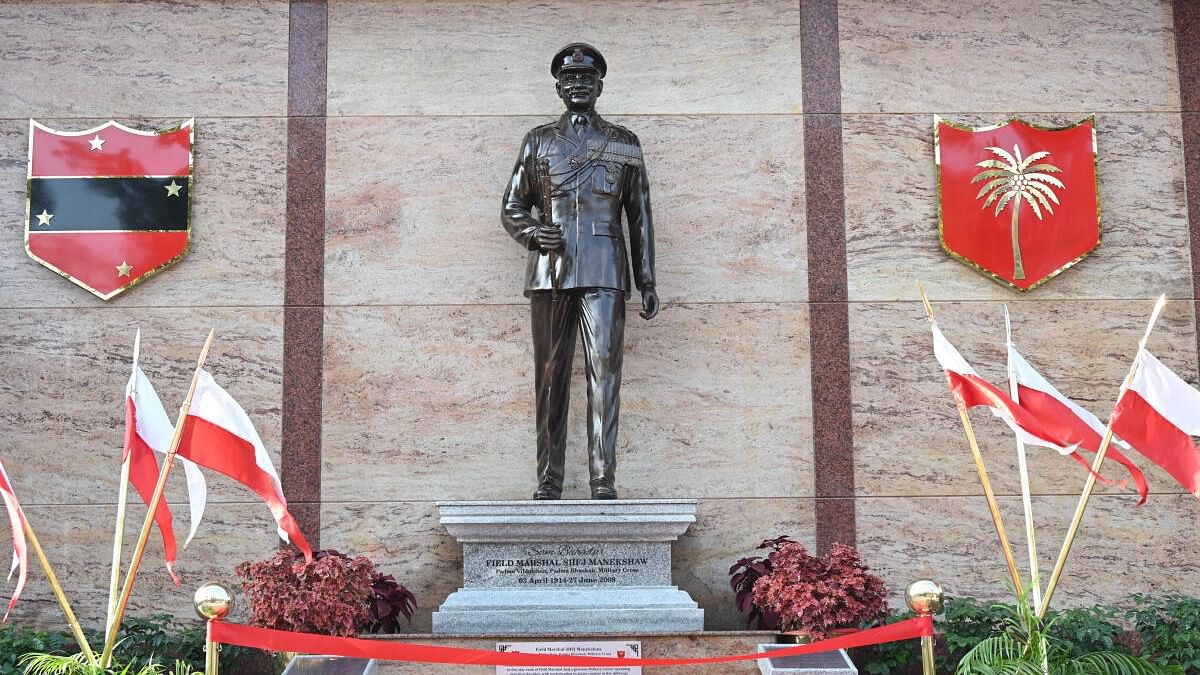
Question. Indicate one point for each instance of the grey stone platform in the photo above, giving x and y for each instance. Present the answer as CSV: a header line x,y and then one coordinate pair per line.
x,y
330,665
822,663
568,566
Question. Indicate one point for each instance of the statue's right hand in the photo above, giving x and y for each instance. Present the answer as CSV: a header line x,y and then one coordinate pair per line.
x,y
549,237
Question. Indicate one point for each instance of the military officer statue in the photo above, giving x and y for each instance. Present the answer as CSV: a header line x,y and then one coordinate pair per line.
x,y
580,172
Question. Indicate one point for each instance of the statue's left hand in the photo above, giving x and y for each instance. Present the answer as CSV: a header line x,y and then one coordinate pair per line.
x,y
649,303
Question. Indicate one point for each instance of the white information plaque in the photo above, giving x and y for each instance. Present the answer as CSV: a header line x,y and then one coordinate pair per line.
x,y
618,649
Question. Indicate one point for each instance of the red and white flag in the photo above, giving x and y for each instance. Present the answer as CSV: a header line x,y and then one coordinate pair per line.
x,y
141,425
1158,415
219,435
148,430
972,391
1076,425
16,521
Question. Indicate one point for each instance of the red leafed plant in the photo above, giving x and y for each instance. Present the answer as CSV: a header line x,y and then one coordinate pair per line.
x,y
819,593
333,595
742,576
389,599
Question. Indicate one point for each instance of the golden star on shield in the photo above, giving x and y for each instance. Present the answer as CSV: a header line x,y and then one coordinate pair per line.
x,y
44,217
123,269
97,143
172,189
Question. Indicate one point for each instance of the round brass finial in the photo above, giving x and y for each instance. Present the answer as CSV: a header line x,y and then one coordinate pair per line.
x,y
924,597
213,602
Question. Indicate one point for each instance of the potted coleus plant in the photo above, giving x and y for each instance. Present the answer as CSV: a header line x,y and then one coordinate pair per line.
x,y
815,596
742,576
333,595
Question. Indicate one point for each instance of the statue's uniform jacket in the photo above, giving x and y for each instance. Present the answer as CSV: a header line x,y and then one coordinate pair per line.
x,y
596,174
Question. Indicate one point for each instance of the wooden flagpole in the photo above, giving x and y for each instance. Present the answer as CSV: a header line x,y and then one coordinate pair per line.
x,y
1100,453
1035,580
993,505
58,593
114,583
140,550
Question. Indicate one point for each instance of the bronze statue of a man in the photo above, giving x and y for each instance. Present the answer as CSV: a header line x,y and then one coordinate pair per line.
x,y
580,172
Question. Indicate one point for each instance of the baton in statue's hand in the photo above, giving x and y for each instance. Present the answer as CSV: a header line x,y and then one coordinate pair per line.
x,y
547,216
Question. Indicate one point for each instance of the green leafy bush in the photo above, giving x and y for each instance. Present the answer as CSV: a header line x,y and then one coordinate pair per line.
x,y
893,658
1024,646
1169,628
963,624
1084,630
1164,631
16,641
158,639
162,638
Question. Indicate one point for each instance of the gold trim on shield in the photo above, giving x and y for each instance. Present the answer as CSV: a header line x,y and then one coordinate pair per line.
x,y
189,124
937,161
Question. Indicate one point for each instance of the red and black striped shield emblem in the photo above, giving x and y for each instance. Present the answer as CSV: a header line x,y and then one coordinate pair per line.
x,y
108,207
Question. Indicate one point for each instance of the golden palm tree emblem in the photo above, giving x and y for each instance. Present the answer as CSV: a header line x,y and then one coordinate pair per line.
x,y
1012,180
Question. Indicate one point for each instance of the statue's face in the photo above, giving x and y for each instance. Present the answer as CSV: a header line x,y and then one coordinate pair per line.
x,y
579,89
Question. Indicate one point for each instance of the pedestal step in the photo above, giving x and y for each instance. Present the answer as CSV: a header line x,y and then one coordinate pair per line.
x,y
654,609
660,646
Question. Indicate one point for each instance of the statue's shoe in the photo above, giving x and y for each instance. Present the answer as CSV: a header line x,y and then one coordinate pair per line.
x,y
604,492
546,492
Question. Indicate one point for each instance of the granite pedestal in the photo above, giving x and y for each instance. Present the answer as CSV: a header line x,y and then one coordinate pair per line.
x,y
569,566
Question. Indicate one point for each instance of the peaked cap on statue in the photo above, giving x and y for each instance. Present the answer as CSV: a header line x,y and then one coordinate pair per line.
x,y
578,56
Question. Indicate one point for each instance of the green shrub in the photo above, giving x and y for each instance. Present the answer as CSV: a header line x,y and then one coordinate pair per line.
x,y
1169,628
893,658
1084,630
963,623
1164,631
159,638
16,641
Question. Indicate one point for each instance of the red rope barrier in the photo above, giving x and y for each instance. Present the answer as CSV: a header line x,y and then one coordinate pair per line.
x,y
308,643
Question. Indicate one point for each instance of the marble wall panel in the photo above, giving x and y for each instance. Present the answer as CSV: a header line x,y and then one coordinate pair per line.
x,y
238,221
725,531
1120,549
493,56
907,435
179,59
944,56
62,383
422,225
78,542
404,538
437,403
891,212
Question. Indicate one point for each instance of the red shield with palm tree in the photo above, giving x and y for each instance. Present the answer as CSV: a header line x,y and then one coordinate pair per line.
x,y
1016,201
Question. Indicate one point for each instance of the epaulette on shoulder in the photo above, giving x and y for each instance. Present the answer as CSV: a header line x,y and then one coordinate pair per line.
x,y
624,135
542,130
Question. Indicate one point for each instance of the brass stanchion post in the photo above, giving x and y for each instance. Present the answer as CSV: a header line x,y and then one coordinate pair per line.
x,y
925,597
213,602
